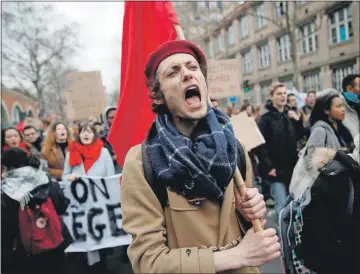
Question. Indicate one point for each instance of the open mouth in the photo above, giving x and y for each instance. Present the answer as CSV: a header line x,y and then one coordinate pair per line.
x,y
192,96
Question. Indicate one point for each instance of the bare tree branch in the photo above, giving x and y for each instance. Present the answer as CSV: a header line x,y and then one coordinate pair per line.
x,y
32,52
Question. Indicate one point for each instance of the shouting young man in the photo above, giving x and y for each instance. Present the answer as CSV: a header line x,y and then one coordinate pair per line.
x,y
278,156
191,148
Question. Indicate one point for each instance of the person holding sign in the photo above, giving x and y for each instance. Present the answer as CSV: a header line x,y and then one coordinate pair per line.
x,y
88,156
200,223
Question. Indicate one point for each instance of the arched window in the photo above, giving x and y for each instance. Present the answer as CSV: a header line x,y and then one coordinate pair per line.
x,y
17,114
30,113
5,119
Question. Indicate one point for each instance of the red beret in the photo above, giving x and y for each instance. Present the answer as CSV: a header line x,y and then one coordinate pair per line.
x,y
170,48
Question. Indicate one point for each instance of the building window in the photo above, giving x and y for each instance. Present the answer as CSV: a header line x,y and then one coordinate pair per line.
x,y
312,81
213,5
280,8
309,39
244,26
260,16
340,23
221,43
264,93
231,35
247,62
301,2
17,114
201,5
283,48
340,72
264,56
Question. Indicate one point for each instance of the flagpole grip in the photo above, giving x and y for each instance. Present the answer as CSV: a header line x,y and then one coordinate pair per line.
x,y
240,184
179,32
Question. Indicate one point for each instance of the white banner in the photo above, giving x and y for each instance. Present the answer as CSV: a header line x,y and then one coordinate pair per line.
x,y
94,216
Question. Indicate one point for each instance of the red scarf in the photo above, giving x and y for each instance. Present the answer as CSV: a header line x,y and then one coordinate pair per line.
x,y
87,154
21,145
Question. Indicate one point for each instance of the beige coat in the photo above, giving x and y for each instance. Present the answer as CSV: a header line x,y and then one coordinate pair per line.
x,y
176,239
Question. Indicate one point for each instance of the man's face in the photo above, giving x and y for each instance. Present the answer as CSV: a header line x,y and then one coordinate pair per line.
x,y
355,87
183,86
292,101
279,97
110,116
311,99
31,135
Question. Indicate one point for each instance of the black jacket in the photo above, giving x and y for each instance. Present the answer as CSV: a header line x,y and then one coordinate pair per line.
x,y
280,149
13,256
331,231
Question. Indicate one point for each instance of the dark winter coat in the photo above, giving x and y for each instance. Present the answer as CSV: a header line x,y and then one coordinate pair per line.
x,y
280,150
13,255
331,231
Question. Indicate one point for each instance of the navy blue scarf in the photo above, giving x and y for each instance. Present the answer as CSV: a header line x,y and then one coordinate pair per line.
x,y
201,166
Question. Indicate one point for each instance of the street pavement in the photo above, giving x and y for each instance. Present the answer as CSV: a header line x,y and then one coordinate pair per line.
x,y
275,265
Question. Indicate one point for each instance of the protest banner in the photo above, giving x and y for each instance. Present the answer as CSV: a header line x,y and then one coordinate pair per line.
x,y
246,130
84,95
94,216
223,78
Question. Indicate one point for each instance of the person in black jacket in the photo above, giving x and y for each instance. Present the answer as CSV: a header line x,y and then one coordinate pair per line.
x,y
24,185
331,232
278,155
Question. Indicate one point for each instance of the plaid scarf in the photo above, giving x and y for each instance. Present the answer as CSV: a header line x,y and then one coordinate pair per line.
x,y
201,166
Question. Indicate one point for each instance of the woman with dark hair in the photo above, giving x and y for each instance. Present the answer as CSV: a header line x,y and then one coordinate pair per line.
x,y
55,147
327,131
326,119
88,156
248,108
28,192
10,138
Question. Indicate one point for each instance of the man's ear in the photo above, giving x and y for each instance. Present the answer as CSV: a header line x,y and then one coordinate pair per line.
x,y
159,101
349,88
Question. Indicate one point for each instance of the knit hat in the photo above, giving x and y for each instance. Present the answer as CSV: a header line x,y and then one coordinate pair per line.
x,y
170,48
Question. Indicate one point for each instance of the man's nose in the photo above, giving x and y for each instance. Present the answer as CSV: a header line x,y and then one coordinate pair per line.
x,y
187,75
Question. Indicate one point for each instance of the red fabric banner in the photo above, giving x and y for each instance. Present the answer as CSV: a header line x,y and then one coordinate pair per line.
x,y
146,26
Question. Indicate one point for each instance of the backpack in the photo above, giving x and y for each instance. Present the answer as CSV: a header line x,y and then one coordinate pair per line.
x,y
160,190
291,224
40,227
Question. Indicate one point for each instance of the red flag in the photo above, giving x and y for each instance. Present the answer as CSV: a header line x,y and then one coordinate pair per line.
x,y
146,26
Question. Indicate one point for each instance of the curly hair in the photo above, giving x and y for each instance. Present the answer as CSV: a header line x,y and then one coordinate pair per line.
x,y
50,139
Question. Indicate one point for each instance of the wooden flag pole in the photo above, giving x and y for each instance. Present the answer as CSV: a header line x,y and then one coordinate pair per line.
x,y
239,182
179,32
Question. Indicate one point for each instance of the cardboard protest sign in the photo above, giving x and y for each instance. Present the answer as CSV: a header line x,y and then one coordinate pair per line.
x,y
246,130
223,78
32,121
94,216
84,95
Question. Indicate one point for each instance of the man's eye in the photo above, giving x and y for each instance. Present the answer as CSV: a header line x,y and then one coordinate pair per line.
x,y
193,67
171,73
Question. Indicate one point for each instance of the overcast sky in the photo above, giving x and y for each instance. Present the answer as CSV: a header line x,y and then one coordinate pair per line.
x,y
100,32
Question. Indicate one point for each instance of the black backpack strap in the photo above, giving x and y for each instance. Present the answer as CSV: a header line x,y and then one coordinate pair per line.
x,y
159,190
241,159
